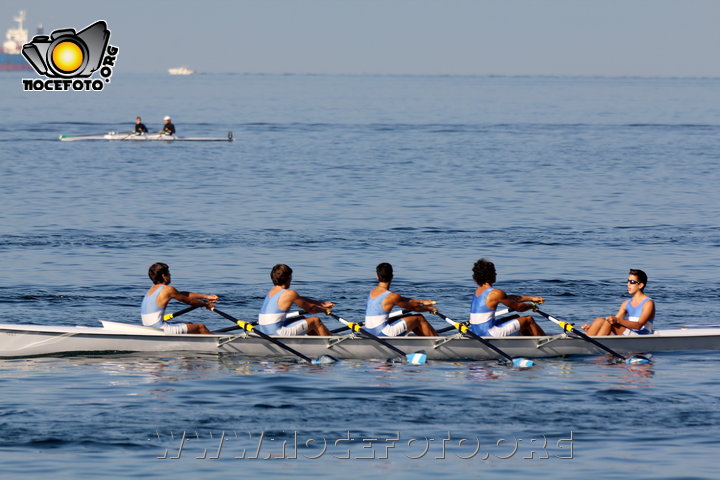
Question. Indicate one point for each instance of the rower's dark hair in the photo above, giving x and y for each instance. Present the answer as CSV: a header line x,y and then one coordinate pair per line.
x,y
384,272
642,277
281,274
484,272
156,272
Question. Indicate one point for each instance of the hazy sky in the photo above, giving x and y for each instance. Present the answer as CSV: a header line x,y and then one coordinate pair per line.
x,y
502,37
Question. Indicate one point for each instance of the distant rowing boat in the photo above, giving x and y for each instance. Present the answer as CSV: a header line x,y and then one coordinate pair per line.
x,y
131,137
32,340
183,70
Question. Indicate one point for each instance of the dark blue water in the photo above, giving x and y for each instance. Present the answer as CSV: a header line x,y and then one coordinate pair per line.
x,y
564,183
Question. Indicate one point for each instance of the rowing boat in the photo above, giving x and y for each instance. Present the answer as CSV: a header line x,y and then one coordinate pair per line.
x,y
33,340
131,137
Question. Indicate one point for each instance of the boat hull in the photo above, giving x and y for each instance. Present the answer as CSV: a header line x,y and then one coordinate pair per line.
x,y
14,62
31,340
128,137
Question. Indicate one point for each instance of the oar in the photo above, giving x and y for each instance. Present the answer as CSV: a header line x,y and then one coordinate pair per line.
x,y
94,134
170,316
416,358
249,327
396,315
500,320
569,327
507,359
300,314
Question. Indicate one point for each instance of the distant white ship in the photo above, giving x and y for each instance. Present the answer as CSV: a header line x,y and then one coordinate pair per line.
x,y
15,38
184,70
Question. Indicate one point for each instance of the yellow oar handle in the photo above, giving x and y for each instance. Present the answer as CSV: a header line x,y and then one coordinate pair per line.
x,y
248,327
169,316
461,327
568,327
353,326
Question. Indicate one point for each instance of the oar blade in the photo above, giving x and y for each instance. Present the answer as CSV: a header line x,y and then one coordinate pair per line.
x,y
324,360
416,358
519,362
638,360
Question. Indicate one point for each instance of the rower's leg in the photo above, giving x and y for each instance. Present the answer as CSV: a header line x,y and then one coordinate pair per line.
x,y
529,327
316,327
593,328
604,329
419,326
198,328
617,329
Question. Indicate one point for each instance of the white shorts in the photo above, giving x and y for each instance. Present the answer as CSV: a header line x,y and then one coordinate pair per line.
x,y
507,329
299,327
397,329
175,328
629,331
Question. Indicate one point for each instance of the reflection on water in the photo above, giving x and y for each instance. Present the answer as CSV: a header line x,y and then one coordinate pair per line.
x,y
214,394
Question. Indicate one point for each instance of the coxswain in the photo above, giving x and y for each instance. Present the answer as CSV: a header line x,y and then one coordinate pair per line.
x,y
635,315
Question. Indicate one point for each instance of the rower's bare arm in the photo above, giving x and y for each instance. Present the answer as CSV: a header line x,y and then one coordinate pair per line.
x,y
648,312
312,306
414,304
194,299
517,302
619,316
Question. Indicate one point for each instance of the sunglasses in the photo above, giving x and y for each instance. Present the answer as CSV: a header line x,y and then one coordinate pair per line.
x,y
633,282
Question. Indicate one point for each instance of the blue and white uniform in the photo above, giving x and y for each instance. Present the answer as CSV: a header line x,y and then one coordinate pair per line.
x,y
152,314
483,321
377,320
272,319
633,315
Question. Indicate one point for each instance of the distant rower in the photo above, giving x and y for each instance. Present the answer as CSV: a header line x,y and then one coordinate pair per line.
x,y
140,127
169,128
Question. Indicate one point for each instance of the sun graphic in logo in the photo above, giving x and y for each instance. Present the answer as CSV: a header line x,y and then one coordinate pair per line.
x,y
67,56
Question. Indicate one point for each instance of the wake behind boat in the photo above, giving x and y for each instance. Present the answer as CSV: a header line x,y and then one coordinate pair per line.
x,y
33,340
148,137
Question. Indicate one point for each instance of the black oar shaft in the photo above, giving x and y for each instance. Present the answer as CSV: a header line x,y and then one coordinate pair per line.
x,y
499,320
170,316
568,327
249,327
355,327
462,328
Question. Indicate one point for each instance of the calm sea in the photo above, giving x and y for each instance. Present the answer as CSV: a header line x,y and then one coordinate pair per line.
x,y
565,183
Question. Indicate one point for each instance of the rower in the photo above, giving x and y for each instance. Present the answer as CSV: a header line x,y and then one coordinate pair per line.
x,y
381,301
273,320
140,128
157,298
486,300
168,128
635,315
